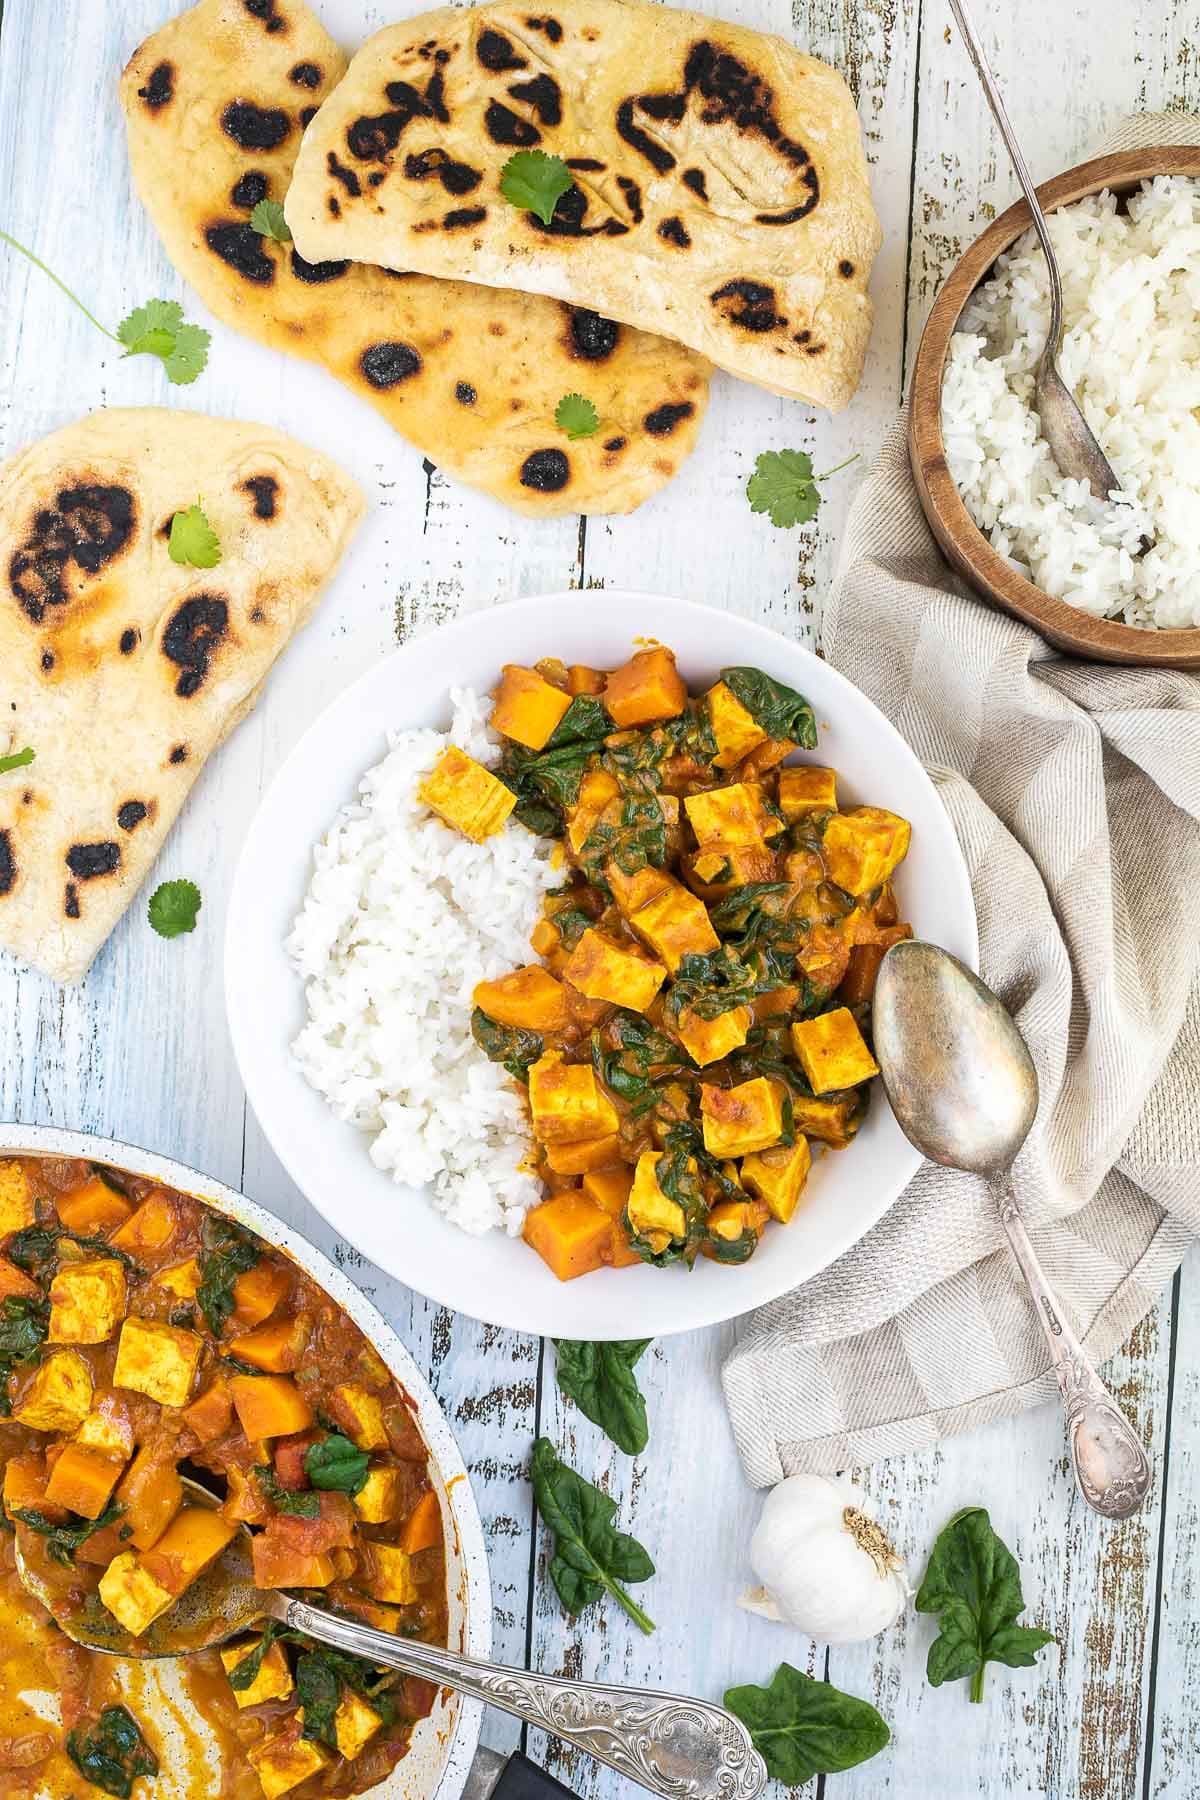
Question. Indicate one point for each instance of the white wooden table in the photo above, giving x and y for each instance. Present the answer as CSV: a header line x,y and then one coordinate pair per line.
x,y
140,1050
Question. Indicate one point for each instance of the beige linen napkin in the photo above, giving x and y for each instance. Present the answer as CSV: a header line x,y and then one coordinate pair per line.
x,y
1075,792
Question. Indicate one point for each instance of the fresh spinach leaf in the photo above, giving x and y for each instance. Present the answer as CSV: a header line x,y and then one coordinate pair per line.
x,y
226,1252
801,1727
114,1753
64,1539
507,1044
298,1501
338,1464
779,710
599,1378
23,1327
974,1584
590,1558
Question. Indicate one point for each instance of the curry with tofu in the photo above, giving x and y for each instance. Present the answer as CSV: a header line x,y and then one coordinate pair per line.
x,y
144,1337
700,1017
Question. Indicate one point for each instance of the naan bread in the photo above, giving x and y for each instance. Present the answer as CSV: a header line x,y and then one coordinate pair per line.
x,y
720,191
123,670
215,104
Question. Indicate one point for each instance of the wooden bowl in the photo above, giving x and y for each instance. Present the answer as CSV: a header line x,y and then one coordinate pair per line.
x,y
962,542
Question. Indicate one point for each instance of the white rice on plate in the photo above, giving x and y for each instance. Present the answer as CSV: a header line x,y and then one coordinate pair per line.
x,y
402,918
1131,355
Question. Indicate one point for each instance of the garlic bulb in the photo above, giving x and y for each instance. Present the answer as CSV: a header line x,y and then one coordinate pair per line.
x,y
824,1563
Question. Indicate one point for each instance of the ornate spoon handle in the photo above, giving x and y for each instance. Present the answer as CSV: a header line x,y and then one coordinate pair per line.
x,y
682,1749
1110,1463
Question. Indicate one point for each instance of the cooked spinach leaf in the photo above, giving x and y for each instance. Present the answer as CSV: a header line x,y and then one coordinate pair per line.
x,y
570,924
625,1051
113,1754
227,1251
590,1558
636,841
779,710
711,984
600,1380
586,721
64,1539
321,1675
974,1583
515,1048
801,1727
546,782
35,1250
23,1327
337,1464
298,1501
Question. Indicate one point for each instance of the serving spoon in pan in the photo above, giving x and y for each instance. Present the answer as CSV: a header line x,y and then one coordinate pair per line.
x,y
680,1748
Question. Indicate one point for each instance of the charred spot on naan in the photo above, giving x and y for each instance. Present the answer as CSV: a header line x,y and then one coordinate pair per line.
x,y
128,641
249,189
194,634
664,419
457,178
254,127
159,88
372,138
92,862
8,864
89,525
546,471
179,753
748,304
71,900
674,231
570,215
130,813
315,274
498,54
267,11
386,365
589,337
243,249
264,491
306,75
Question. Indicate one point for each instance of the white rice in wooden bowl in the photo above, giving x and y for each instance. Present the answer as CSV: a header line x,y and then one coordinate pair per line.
x,y
402,917
1131,355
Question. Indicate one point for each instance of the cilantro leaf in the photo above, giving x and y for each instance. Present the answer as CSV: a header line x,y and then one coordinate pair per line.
x,y
783,485
193,539
268,220
974,1584
173,908
802,1727
576,415
17,760
535,182
158,329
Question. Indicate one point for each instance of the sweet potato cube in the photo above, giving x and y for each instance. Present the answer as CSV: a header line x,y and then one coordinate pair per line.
x,y
717,870
735,728
423,1527
269,1406
274,1678
210,1415
530,999
725,818
92,1208
390,1576
257,1293
195,1537
87,1301
283,1762
278,1564
778,1176
609,1189
568,1233
14,1284
107,1428
596,790
631,892
583,679
151,1493
671,920
584,1155
805,790
245,1498
82,1480
25,1485
133,1596
645,689
355,1724
652,1213
360,1414
863,846
603,969
466,796
832,1051
181,1279
59,1398
151,1227
158,1360
708,1040
528,708
17,1206
739,1120
276,1347
567,1102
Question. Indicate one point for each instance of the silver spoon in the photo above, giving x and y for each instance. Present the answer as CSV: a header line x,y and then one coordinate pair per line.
x,y
964,1090
1064,427
677,1747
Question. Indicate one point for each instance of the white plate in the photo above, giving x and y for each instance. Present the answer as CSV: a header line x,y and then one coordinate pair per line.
x,y
494,1278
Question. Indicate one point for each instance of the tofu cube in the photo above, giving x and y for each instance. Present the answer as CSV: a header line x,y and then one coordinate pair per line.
x,y
725,818
466,796
673,921
769,823
391,1576
107,1429
603,969
132,1595
360,1413
735,728
652,1213
59,1398
274,1678
832,1122
528,708
83,1480
567,1102
181,1279
778,1176
283,1762
157,1360
379,1499
596,790
735,1222
708,1040
17,1208
832,1051
93,1207
863,846
646,689
739,1120
805,790
87,1301
355,1724
151,1227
